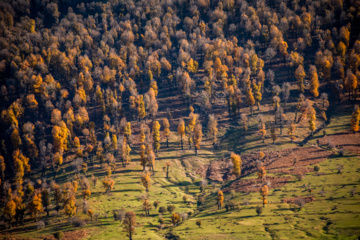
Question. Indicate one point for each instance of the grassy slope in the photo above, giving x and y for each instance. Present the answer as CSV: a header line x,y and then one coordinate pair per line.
x,y
278,220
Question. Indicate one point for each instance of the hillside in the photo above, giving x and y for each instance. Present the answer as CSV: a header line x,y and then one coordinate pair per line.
x,y
179,119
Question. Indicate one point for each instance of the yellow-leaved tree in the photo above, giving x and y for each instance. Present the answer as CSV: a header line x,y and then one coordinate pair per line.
x,y
236,161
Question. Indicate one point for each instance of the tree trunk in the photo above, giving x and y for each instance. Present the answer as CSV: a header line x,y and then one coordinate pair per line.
x,y
182,147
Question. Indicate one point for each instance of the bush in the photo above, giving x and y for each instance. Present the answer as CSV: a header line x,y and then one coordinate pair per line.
x,y
300,202
340,168
40,224
59,235
316,168
161,220
156,204
77,222
118,214
171,208
162,210
232,193
259,210
185,198
198,223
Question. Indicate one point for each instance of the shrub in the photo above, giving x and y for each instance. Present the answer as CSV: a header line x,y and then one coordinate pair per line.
x,y
119,215
185,198
316,168
156,204
59,235
232,193
300,202
161,220
198,223
259,210
162,210
171,208
40,224
340,168
77,222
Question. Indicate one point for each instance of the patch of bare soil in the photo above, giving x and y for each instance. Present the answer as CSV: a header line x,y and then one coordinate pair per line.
x,y
291,161
307,199
72,235
346,140
287,161
253,185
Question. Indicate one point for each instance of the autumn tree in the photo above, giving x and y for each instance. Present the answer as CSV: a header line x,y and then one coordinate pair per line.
x,y
236,161
355,119
220,199
2,168
273,133
129,224
250,99
45,199
300,75
166,125
10,208
312,118
156,135
175,219
145,179
35,206
212,127
264,192
147,207
244,122
257,93
292,129
181,131
314,81
197,137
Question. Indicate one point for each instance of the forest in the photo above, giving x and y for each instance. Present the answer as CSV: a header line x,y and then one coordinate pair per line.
x,y
179,119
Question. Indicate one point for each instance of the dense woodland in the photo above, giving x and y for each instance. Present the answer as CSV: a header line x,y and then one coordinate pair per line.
x,y
84,87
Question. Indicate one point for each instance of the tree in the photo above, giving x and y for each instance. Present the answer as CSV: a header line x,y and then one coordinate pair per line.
x,y
167,166
300,75
127,131
250,99
292,129
257,93
236,161
244,122
147,207
166,125
212,127
312,118
15,138
264,192
2,168
156,135
181,131
220,199
129,224
143,159
35,206
273,133
108,184
314,81
10,208
175,219
45,199
145,179
261,172
355,119
198,223
197,137
262,131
